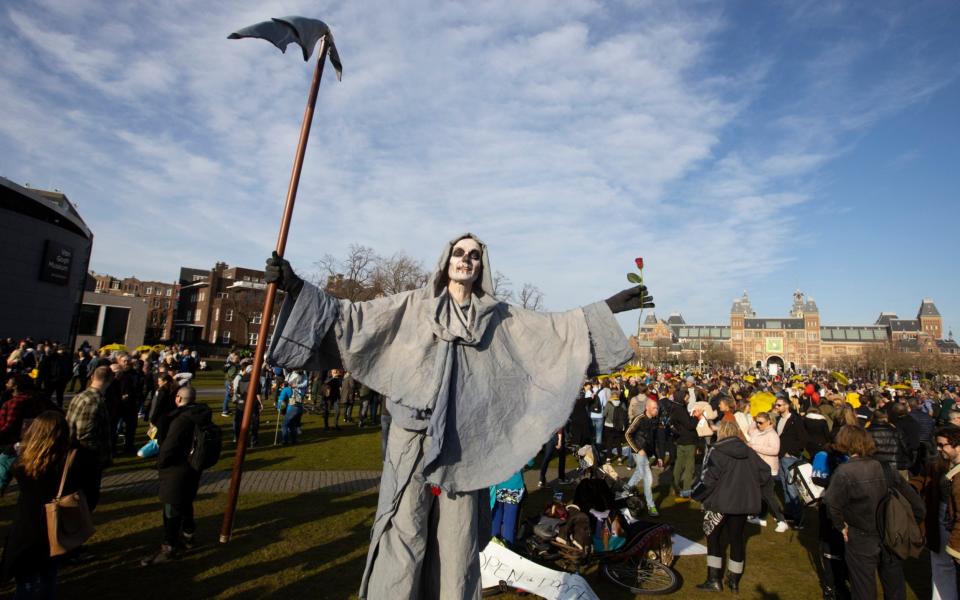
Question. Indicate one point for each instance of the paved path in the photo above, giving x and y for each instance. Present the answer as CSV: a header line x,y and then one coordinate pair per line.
x,y
143,482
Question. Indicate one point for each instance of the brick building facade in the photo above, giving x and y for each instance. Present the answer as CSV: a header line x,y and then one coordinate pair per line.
x,y
223,305
159,296
796,341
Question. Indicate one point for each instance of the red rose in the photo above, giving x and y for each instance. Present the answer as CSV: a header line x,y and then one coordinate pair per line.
x,y
639,261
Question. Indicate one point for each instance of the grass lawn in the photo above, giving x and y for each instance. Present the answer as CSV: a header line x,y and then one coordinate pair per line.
x,y
350,449
314,545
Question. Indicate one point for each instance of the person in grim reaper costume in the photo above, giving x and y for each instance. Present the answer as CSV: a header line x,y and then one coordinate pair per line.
x,y
475,386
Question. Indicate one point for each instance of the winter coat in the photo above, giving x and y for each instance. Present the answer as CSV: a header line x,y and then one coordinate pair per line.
x,y
793,438
909,431
642,435
818,432
581,428
684,425
925,424
636,406
27,550
953,511
178,480
163,402
617,414
855,491
767,446
61,367
732,478
886,437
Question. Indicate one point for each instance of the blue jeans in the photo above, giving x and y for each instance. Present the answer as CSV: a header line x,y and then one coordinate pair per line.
x,y
597,428
226,397
791,505
291,421
504,521
644,473
41,585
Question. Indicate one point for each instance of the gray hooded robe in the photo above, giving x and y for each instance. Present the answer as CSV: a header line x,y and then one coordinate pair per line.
x,y
473,392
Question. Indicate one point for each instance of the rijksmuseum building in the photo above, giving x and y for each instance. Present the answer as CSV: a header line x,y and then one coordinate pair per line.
x,y
800,340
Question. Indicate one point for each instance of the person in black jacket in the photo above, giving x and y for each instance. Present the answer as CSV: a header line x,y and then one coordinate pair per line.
x,y
642,438
793,440
886,439
852,499
909,440
685,431
178,480
730,489
614,424
818,431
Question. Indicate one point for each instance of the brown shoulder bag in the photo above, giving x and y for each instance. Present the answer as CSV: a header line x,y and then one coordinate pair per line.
x,y
69,523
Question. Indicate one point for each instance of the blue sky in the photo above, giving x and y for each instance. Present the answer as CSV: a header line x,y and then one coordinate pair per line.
x,y
736,146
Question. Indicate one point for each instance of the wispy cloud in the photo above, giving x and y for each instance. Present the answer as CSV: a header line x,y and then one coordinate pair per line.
x,y
571,136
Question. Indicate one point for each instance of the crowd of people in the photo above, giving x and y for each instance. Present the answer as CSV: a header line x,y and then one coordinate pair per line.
x,y
39,430
726,441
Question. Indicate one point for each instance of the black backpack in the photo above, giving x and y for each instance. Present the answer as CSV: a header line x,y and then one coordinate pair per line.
x,y
207,443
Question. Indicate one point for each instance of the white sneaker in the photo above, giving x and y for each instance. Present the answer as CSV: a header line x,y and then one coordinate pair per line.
x,y
782,526
757,521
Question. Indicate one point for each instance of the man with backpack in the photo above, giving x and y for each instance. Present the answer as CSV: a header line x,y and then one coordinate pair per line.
x,y
189,443
861,499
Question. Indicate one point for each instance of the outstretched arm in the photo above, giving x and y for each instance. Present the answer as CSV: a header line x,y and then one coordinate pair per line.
x,y
630,299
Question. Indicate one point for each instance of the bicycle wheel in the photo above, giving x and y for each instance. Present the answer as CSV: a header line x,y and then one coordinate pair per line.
x,y
642,575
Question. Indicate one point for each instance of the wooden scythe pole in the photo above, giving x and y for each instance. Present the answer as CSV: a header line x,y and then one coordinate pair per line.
x,y
254,388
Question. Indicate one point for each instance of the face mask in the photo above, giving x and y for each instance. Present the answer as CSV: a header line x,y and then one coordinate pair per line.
x,y
464,262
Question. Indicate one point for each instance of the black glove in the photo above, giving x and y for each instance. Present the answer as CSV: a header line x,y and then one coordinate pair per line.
x,y
630,299
280,272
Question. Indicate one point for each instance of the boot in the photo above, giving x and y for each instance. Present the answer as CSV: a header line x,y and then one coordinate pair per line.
x,y
714,582
733,581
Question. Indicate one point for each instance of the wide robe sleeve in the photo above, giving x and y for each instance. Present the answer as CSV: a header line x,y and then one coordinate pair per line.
x,y
488,401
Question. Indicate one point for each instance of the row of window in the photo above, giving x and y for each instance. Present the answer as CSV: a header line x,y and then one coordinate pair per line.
x,y
150,290
255,318
252,338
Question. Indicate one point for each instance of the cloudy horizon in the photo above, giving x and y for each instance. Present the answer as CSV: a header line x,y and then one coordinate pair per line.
x,y
759,148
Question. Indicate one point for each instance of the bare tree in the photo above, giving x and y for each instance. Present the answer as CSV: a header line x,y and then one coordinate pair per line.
x,y
398,273
502,286
530,297
718,355
350,278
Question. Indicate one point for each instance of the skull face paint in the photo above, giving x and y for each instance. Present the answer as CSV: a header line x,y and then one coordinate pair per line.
x,y
464,266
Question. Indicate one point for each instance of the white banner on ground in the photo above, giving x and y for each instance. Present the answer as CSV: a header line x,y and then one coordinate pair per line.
x,y
497,564
684,547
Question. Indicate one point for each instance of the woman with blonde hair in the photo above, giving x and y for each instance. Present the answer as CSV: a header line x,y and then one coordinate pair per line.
x,y
847,416
730,490
38,470
765,442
